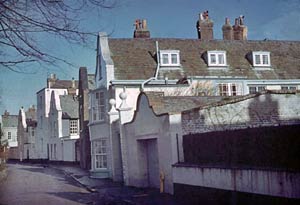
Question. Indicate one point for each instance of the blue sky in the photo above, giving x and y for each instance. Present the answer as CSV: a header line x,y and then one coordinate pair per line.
x,y
272,19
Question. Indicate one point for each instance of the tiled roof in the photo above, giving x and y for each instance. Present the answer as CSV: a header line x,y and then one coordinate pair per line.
x,y
69,106
64,84
175,104
10,120
136,58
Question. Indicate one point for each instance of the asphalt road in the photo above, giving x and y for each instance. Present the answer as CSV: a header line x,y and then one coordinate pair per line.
x,y
40,185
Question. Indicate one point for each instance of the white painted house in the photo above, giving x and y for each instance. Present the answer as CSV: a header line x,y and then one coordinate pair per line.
x,y
178,67
64,128
26,134
9,128
56,88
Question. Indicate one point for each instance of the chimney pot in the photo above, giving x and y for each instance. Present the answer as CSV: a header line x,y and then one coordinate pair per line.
x,y
227,21
144,24
227,30
239,29
236,22
205,26
141,30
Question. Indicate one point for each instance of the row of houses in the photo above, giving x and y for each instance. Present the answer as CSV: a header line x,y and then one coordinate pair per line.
x,y
178,113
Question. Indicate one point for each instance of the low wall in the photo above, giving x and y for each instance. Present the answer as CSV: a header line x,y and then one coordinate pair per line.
x,y
266,182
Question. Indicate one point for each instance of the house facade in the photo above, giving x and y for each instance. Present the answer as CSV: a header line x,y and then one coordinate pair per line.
x,y
64,128
9,129
233,66
55,88
26,134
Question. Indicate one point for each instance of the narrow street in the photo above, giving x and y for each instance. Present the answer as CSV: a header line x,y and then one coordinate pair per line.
x,y
28,184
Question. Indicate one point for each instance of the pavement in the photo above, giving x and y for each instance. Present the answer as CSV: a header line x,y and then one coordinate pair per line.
x,y
114,192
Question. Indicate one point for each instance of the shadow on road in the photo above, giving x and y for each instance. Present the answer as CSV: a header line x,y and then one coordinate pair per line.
x,y
84,198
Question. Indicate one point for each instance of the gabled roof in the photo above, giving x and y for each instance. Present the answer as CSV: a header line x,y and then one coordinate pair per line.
x,y
136,58
10,120
69,106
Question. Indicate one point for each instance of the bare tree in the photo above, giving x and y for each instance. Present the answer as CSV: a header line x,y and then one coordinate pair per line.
x,y
23,22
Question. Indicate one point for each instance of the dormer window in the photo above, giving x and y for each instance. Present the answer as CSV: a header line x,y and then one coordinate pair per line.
x,y
216,58
261,58
169,58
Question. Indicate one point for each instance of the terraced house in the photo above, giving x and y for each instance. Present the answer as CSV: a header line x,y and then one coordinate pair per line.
x,y
233,66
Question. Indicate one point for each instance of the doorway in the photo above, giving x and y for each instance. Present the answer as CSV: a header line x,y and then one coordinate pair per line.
x,y
149,162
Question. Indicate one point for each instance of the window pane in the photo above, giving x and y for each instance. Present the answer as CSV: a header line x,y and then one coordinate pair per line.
x,y
165,59
223,89
265,59
260,88
100,153
233,89
221,59
174,58
257,59
293,88
213,59
252,90
73,127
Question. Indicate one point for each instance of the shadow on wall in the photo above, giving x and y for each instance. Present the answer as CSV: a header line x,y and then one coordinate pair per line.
x,y
263,111
263,145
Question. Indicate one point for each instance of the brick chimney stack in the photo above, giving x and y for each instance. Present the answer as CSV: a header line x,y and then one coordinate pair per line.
x,y
239,29
141,30
227,30
205,27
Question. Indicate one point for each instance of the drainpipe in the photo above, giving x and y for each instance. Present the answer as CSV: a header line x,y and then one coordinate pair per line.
x,y
157,69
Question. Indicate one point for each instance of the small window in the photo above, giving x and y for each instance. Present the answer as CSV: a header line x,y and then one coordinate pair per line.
x,y
9,135
73,127
256,89
169,58
216,58
229,89
261,58
99,106
100,153
289,87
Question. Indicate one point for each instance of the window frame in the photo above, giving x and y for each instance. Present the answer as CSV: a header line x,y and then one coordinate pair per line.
x,y
169,54
261,55
73,127
100,155
258,88
217,55
289,87
9,136
231,89
98,106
